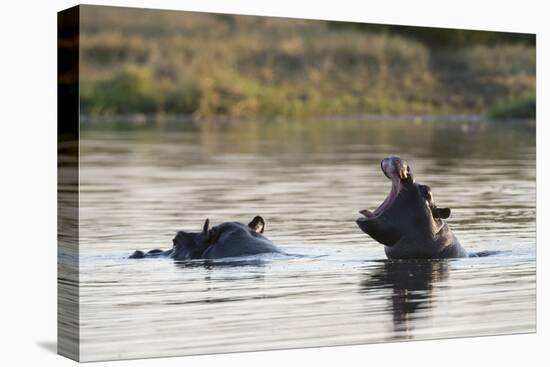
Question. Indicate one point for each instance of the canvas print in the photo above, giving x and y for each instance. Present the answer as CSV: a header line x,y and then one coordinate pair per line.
x,y
235,183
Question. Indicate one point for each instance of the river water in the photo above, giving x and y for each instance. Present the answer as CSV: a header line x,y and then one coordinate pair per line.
x,y
139,185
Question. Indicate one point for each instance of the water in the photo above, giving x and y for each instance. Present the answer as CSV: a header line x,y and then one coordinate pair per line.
x,y
139,185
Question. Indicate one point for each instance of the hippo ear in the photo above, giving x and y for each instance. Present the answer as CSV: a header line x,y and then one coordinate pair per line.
x,y
206,226
211,234
443,213
257,224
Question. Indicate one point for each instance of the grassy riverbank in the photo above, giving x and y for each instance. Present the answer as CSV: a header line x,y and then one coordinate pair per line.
x,y
211,65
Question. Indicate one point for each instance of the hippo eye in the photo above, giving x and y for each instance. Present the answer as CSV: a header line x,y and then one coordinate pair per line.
x,y
212,235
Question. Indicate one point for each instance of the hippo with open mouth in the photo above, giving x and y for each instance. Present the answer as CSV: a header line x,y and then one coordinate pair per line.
x,y
229,239
408,223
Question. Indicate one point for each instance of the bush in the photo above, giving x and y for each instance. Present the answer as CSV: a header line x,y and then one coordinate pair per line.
x,y
524,108
183,99
130,90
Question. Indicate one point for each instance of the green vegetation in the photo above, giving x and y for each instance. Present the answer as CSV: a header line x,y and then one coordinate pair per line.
x,y
442,37
524,108
159,62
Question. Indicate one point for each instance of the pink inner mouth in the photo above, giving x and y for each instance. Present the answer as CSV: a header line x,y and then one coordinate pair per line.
x,y
395,187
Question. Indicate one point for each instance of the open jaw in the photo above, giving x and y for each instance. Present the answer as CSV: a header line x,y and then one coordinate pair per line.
x,y
387,203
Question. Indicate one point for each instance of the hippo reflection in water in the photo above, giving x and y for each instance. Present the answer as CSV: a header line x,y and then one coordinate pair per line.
x,y
229,239
408,223
413,285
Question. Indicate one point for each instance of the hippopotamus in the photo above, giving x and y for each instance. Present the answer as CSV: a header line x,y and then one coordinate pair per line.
x,y
229,239
408,223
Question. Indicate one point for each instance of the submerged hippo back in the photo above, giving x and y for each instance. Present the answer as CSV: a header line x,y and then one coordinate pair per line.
x,y
229,239
237,239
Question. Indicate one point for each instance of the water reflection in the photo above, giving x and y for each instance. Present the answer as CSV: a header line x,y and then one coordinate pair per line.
x,y
140,185
307,141
412,289
220,264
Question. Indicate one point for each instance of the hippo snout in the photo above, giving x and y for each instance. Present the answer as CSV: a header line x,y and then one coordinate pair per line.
x,y
396,168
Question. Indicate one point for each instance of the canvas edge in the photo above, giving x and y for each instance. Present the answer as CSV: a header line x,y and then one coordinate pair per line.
x,y
68,309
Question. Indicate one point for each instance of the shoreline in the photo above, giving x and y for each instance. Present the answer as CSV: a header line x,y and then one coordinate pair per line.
x,y
139,119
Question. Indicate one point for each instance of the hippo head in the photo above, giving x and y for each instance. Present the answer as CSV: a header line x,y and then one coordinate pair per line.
x,y
192,245
408,214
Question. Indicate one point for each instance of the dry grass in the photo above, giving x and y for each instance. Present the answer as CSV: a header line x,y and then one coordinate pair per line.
x,y
201,64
